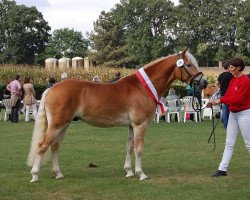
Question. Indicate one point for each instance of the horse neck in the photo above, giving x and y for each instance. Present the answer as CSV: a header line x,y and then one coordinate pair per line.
x,y
162,75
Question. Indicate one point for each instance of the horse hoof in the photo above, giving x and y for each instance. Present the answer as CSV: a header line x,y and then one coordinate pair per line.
x,y
59,175
129,174
34,178
143,177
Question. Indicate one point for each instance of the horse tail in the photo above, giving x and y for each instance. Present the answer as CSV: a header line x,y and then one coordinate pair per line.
x,y
38,132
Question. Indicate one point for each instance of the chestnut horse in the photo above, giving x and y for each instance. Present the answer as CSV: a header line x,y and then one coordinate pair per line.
x,y
208,91
124,103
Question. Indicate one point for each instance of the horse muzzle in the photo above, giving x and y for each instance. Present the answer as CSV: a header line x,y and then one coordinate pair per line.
x,y
199,80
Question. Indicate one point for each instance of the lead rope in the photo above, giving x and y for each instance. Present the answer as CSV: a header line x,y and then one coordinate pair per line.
x,y
213,129
214,125
217,116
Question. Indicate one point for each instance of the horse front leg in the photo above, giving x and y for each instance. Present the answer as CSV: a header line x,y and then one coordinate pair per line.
x,y
130,149
139,132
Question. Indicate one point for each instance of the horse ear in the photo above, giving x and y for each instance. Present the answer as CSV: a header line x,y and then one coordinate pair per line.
x,y
184,51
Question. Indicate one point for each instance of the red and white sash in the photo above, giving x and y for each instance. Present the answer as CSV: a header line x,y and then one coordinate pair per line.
x,y
145,81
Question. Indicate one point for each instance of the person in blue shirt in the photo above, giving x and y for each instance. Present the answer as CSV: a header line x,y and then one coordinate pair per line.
x,y
223,83
52,82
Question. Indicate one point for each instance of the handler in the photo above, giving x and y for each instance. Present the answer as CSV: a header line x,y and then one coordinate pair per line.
x,y
237,97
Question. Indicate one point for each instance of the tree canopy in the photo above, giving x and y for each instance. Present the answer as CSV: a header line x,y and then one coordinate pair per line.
x,y
214,30
23,33
132,33
66,43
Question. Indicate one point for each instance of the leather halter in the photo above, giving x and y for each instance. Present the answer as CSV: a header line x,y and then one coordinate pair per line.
x,y
185,67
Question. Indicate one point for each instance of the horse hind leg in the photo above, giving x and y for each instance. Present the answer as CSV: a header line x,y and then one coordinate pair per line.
x,y
54,156
36,167
48,139
130,149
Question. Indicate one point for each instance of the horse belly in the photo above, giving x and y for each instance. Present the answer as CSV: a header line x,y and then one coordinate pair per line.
x,y
106,122
105,119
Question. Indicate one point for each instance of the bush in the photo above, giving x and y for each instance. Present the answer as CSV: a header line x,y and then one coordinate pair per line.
x,y
40,76
39,88
2,87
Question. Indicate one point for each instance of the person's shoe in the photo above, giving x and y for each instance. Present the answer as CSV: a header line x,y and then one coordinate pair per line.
x,y
219,173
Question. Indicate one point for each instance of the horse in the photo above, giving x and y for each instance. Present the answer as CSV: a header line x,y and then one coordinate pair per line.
x,y
208,91
127,102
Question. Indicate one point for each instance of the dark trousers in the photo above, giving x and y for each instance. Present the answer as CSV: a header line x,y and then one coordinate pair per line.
x,y
14,111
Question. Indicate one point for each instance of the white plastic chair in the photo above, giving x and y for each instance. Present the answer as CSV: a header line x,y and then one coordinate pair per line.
x,y
6,103
191,106
157,116
174,107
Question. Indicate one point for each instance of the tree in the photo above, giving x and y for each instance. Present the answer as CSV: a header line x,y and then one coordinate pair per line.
x,y
133,33
108,42
66,43
242,35
212,24
24,33
149,28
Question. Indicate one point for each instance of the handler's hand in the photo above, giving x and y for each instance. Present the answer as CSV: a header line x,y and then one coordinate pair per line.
x,y
216,101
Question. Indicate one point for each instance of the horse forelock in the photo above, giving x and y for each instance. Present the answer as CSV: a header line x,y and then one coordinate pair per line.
x,y
192,59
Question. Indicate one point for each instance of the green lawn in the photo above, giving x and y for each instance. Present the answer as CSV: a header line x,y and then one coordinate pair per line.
x,y
177,159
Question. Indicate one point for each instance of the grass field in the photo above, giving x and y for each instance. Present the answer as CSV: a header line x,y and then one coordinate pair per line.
x,y
177,159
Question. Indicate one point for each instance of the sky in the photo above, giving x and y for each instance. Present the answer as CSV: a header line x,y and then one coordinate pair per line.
x,y
76,14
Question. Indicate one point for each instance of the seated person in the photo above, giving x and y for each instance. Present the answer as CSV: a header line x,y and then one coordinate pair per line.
x,y
52,82
172,96
64,76
6,94
96,79
116,78
6,100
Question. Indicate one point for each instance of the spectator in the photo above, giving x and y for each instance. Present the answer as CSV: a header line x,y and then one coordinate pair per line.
x,y
52,82
172,96
6,100
196,92
223,83
64,76
237,97
96,79
6,94
190,90
29,100
15,89
117,77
